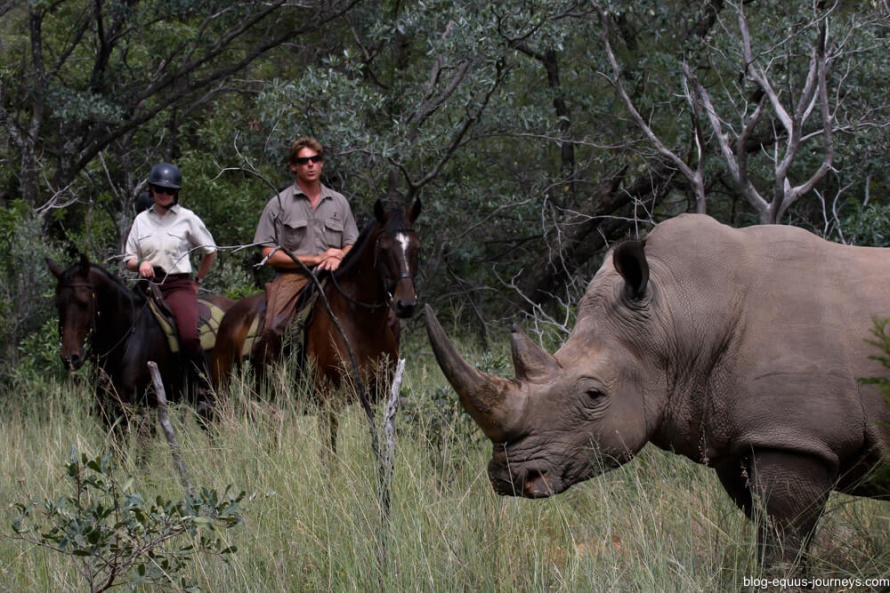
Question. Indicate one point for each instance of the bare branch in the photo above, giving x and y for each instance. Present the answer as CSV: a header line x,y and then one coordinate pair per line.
x,y
457,138
736,160
694,177
818,74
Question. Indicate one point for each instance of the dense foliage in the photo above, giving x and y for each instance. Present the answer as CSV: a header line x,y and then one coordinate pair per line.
x,y
536,133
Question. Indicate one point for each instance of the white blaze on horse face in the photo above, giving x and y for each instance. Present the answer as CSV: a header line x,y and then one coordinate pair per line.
x,y
404,241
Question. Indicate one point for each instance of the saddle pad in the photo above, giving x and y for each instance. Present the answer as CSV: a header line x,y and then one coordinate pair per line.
x,y
165,320
209,318
307,303
253,333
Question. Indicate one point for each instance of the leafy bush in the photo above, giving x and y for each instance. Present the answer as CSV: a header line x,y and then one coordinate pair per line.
x,y
38,355
868,226
882,342
229,278
115,537
24,278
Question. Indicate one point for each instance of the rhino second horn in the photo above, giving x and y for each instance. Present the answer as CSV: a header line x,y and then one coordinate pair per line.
x,y
530,361
483,396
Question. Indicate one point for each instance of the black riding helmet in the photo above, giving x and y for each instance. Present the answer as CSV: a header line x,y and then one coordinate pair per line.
x,y
165,175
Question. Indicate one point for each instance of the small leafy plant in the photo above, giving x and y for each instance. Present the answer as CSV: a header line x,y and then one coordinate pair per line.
x,y
116,538
881,340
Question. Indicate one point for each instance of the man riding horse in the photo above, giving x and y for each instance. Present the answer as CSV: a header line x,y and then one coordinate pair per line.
x,y
312,222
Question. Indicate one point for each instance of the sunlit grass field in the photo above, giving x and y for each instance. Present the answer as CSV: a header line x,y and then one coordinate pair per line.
x,y
660,523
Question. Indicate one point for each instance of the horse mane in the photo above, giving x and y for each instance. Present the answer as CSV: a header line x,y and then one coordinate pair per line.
x,y
69,273
396,223
352,257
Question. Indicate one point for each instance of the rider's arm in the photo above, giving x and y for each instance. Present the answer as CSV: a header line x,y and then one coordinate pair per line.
x,y
329,260
282,261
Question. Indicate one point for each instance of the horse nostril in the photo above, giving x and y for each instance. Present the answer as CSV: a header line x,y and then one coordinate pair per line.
x,y
405,310
73,362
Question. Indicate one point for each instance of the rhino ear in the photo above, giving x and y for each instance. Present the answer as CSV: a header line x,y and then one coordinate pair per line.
x,y
530,361
629,259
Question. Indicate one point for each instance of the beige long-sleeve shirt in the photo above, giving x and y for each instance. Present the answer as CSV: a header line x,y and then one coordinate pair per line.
x,y
166,241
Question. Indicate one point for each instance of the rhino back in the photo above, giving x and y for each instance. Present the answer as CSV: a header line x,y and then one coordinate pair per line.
x,y
766,330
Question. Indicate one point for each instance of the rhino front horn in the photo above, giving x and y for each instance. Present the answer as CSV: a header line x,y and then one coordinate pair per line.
x,y
487,398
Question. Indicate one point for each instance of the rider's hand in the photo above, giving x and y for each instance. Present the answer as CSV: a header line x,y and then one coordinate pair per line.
x,y
146,270
331,259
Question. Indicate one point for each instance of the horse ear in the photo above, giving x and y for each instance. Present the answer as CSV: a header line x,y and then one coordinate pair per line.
x,y
415,211
84,264
54,268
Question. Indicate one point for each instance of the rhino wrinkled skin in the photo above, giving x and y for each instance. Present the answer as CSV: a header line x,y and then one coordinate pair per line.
x,y
741,349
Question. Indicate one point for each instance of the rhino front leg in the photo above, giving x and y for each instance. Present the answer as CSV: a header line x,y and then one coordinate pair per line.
x,y
785,492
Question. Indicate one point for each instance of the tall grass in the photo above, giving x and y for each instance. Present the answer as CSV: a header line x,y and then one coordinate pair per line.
x,y
660,523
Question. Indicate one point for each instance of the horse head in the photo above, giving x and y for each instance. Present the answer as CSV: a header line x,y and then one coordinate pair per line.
x,y
397,255
76,302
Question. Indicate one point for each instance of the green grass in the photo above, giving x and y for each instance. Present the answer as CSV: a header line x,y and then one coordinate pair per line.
x,y
660,523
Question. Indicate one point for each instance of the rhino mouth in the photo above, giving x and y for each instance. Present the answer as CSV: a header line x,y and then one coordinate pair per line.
x,y
527,483
538,478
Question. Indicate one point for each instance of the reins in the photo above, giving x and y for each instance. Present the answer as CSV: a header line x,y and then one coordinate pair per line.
x,y
94,321
387,300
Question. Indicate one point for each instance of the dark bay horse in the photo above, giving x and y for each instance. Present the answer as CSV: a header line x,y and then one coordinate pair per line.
x,y
102,319
375,280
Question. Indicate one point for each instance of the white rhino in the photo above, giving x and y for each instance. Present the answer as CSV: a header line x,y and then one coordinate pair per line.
x,y
742,349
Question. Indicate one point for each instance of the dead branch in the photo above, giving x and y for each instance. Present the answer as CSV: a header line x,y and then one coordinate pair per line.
x,y
164,419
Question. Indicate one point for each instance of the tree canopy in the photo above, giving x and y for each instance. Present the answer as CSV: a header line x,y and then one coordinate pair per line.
x,y
537,133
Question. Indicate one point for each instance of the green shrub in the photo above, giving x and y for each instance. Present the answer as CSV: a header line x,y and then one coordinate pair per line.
x,y
114,537
39,355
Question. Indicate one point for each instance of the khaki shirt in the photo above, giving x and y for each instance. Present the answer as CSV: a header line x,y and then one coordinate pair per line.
x,y
289,221
165,241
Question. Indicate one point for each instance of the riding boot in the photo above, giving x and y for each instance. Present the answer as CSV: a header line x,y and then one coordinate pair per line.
x,y
267,348
197,374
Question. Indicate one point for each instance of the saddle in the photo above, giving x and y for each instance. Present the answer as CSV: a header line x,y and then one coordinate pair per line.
x,y
304,309
209,318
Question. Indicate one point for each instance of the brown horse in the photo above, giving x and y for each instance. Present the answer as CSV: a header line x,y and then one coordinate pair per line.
x,y
102,319
351,324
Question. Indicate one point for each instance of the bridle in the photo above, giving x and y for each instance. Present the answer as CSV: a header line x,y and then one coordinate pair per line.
x,y
387,289
87,343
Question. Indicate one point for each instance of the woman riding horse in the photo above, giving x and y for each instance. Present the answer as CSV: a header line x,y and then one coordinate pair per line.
x,y
158,248
102,319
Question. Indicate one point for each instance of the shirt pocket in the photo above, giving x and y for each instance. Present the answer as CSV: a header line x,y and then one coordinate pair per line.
x,y
333,233
294,233
176,246
146,246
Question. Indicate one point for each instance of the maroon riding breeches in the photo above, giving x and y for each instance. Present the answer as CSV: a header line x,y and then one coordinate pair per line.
x,y
181,295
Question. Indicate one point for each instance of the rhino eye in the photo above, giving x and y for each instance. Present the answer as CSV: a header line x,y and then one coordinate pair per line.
x,y
595,394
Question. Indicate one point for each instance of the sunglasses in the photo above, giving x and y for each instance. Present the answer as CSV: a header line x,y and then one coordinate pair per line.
x,y
163,190
305,159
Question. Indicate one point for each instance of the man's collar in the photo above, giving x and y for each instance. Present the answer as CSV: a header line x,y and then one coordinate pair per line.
x,y
325,192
